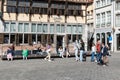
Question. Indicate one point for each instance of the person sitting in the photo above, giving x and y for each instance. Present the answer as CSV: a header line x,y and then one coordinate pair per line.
x,y
9,54
39,51
61,52
25,53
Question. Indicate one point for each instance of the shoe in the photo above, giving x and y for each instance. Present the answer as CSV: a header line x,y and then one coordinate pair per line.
x,y
45,59
96,61
104,65
49,60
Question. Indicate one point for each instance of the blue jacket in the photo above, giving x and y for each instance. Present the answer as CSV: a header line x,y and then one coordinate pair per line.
x,y
10,51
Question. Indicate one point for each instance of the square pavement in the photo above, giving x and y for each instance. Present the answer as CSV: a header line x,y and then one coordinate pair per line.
x,y
60,69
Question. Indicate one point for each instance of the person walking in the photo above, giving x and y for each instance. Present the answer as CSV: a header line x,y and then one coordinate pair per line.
x,y
98,51
82,48
93,52
104,52
48,49
76,50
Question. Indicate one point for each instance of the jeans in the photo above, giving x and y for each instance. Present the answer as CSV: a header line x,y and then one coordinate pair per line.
x,y
81,55
92,56
76,54
99,56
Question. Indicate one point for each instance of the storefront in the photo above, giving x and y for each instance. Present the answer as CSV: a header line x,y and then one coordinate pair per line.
x,y
33,33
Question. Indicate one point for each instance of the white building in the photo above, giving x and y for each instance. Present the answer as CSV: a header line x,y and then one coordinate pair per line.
x,y
116,19
104,21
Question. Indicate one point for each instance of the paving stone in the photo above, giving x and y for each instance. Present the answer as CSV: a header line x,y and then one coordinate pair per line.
x,y
60,69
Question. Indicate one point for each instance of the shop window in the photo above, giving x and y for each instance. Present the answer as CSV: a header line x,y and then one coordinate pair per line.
x,y
34,38
12,38
103,38
25,38
118,41
39,38
6,38
20,38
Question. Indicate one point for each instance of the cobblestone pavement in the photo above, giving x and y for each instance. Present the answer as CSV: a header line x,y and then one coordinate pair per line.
x,y
60,69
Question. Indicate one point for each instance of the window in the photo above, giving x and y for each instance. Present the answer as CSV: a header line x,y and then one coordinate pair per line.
x,y
43,10
79,28
39,28
58,28
108,18
12,38
70,12
69,29
51,28
6,38
103,20
33,28
97,4
25,38
109,1
11,9
74,29
62,28
118,20
98,20
6,27
23,9
26,27
103,2
20,26
45,28
118,5
12,27
35,10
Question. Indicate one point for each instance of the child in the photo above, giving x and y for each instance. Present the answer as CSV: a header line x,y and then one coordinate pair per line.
x,y
25,53
9,54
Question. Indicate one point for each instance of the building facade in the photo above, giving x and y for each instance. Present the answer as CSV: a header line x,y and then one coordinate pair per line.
x,y
103,22
58,22
90,26
117,25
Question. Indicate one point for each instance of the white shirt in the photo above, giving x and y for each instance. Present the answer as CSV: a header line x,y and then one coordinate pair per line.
x,y
93,49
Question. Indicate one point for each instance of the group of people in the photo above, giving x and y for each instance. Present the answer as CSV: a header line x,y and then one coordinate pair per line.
x,y
10,52
99,52
79,48
102,52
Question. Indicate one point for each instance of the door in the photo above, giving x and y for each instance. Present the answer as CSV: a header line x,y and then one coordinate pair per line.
x,y
59,42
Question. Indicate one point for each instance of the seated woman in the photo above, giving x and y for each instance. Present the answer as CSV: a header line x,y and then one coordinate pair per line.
x,y
9,54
